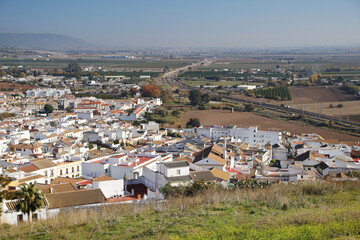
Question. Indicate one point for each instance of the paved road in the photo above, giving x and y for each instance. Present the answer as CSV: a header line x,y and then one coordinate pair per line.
x,y
170,76
171,79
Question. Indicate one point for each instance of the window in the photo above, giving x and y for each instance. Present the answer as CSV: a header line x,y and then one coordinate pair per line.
x,y
60,172
51,173
67,171
72,169
78,168
34,216
46,173
178,172
46,181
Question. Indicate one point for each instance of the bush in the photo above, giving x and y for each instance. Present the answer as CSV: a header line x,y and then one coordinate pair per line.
x,y
185,191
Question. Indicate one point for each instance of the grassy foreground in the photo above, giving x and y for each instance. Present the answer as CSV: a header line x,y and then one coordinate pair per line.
x,y
321,210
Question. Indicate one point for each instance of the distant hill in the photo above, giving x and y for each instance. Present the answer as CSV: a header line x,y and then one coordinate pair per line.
x,y
42,41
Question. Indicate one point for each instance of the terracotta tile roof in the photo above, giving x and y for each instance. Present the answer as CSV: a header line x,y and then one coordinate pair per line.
x,y
73,181
28,168
75,198
202,176
102,178
37,176
220,174
43,163
56,188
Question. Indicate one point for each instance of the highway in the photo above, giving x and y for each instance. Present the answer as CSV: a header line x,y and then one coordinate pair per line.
x,y
171,79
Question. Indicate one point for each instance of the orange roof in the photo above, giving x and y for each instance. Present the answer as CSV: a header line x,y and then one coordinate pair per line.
x,y
28,168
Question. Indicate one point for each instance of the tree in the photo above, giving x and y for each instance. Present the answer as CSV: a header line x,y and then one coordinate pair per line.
x,y
73,68
195,97
4,181
150,91
193,122
205,98
167,96
31,199
340,105
249,107
48,108
68,109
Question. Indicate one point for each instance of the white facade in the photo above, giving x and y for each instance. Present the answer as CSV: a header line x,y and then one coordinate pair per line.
x,y
111,188
47,92
246,135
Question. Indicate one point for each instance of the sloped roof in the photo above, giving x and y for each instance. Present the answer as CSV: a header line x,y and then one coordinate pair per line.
x,y
102,178
180,178
37,176
323,165
220,174
28,168
73,181
211,152
176,164
56,188
303,156
202,176
75,198
183,158
43,163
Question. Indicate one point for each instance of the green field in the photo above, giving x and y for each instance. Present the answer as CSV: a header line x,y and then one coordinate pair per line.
x,y
212,74
315,64
115,63
129,74
301,211
281,93
217,83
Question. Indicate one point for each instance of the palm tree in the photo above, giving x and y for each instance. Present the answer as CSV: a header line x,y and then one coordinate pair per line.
x,y
31,199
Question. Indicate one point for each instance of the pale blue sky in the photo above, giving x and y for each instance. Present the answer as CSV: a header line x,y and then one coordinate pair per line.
x,y
189,23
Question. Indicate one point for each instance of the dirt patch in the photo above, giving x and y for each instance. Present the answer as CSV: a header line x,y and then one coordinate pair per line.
x,y
320,94
348,108
9,86
245,119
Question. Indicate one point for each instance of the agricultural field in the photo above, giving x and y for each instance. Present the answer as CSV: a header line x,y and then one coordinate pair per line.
x,y
246,119
195,83
109,63
280,93
242,64
300,62
219,74
129,74
315,94
349,109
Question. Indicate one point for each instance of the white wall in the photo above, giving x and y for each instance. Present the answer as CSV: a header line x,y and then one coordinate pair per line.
x,y
110,188
93,169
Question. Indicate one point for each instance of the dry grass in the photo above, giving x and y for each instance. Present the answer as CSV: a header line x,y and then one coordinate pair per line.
x,y
321,204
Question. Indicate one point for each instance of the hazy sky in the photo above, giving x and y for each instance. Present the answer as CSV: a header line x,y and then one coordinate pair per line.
x,y
189,23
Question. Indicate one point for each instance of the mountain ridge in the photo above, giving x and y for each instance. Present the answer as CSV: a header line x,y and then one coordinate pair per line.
x,y
43,41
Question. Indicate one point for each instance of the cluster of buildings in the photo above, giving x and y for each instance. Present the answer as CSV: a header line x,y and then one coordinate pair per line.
x,y
100,154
